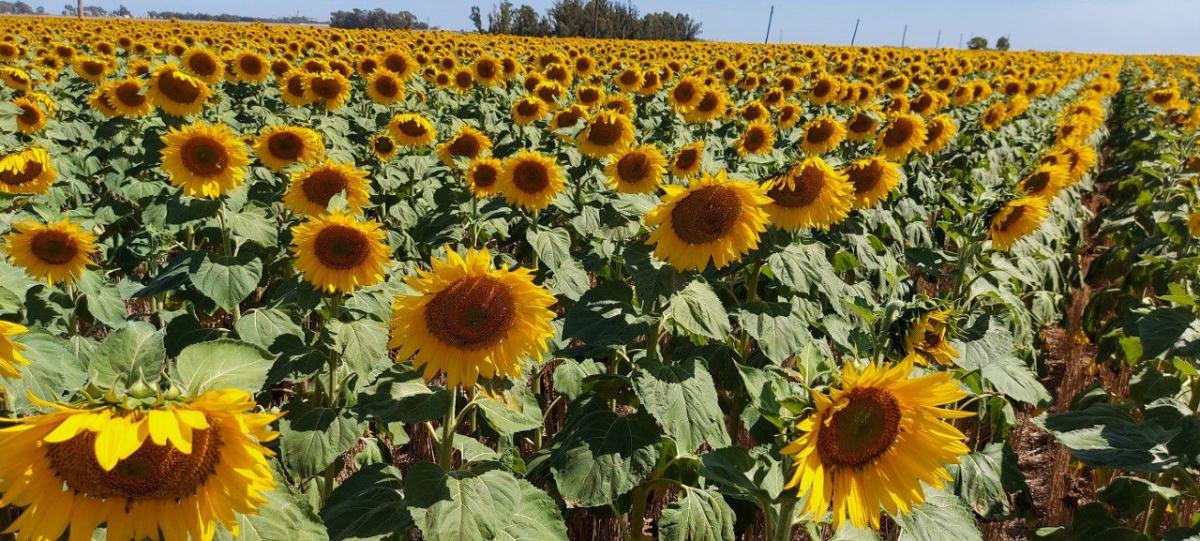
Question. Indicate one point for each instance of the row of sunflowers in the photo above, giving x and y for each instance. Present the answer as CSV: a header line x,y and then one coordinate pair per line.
x,y
279,282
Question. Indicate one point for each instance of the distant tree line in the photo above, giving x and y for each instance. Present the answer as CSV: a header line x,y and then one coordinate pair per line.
x,y
980,43
96,11
376,18
593,19
20,8
224,17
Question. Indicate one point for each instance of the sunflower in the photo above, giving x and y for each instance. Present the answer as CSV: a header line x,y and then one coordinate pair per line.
x,y
26,171
994,116
470,320
686,93
90,69
568,117
788,116
329,88
294,88
712,219
822,135
383,146
589,95
411,130
636,170
528,109
487,71
902,135
385,87
280,146
1193,224
99,100
16,78
31,118
862,125
483,176
468,144
874,440
531,180
687,160
1046,181
926,340
810,194
204,160
938,133
757,138
250,67
169,471
1015,219
1081,158
10,351
55,252
606,132
873,179
128,99
313,188
336,252
712,104
176,92
203,64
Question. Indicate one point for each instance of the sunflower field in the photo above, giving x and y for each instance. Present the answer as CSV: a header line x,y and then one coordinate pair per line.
x,y
297,283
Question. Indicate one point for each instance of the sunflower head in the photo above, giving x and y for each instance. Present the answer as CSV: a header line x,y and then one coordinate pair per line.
x,y
295,89
902,135
313,188
55,252
280,146
1046,181
873,441
174,469
531,180
329,88
204,160
873,180
713,104
385,87
30,118
203,64
1015,219
338,253
822,135
484,176
862,125
939,131
606,132
411,130
176,92
713,219
636,170
925,342
687,160
758,138
383,146
26,171
250,67
686,93
469,319
468,144
810,194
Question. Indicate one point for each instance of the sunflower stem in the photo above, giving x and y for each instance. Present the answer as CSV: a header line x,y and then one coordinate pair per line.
x,y
446,445
227,248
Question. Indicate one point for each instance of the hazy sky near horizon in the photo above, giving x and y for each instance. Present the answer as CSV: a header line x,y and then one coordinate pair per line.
x,y
1111,26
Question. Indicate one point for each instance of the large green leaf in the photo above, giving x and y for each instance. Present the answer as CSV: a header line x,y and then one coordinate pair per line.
x,y
511,412
136,347
697,515
779,333
600,455
1107,436
943,517
103,299
401,395
992,355
682,397
362,345
223,364
284,516
53,374
482,504
313,437
605,317
553,246
226,280
368,505
264,326
697,310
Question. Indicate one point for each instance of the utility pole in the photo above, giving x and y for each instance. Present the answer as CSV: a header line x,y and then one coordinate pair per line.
x,y
904,37
770,18
938,44
855,34
960,40
79,9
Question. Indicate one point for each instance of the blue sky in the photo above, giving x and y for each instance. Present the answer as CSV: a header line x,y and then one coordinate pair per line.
x,y
1116,26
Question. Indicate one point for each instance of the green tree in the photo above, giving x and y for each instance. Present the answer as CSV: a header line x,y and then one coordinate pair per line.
x,y
977,43
1002,43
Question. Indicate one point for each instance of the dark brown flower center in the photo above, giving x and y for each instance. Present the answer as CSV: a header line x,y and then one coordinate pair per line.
x,y
341,247
866,177
396,63
589,95
204,156
899,133
1037,182
384,145
822,88
527,108
326,87
531,177
485,69
54,247
684,92
862,430
387,86
686,158
709,102
1014,216
604,132
202,64
130,94
463,79
465,145
473,313
286,145
411,128
934,130
321,185
295,85
634,167
250,64
754,140
819,133
30,114
706,214
178,89
806,186
31,171
484,177
153,472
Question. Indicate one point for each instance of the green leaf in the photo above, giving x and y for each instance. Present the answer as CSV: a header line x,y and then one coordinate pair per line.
x,y
943,517
253,224
697,310
553,246
993,356
569,374
1130,496
223,364
512,412
313,437
264,326
682,397
14,283
137,346
698,515
1106,436
482,504
984,479
401,395
751,477
604,317
103,299
368,505
284,516
1161,330
600,455
778,331
53,373
226,280
362,345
